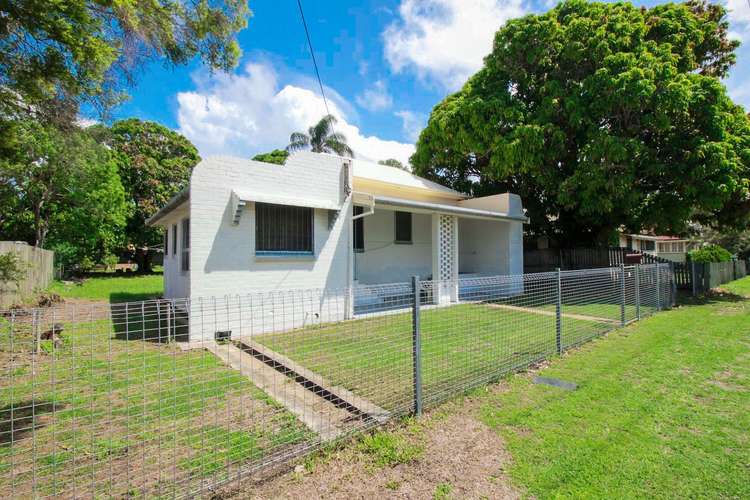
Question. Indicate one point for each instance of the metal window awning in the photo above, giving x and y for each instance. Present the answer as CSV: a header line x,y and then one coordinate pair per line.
x,y
240,198
427,207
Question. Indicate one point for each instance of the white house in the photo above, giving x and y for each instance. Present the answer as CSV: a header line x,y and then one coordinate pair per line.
x,y
667,247
328,223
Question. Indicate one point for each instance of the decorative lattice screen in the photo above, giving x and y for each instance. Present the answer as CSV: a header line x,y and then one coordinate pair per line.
x,y
446,257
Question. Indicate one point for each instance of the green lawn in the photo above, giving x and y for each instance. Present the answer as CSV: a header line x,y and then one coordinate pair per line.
x,y
661,410
143,414
462,346
114,288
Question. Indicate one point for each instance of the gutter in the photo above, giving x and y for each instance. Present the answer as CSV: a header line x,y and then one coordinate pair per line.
x,y
449,209
173,203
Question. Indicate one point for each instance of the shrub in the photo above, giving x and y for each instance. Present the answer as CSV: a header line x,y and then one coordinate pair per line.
x,y
12,268
710,253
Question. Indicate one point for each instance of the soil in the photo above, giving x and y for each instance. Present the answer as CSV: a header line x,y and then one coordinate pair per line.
x,y
461,457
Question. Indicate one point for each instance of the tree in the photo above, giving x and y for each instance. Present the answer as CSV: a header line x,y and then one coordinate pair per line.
x,y
736,241
600,115
64,191
277,156
154,164
321,138
392,162
56,55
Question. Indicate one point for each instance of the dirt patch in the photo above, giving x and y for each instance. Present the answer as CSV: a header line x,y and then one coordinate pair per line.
x,y
461,456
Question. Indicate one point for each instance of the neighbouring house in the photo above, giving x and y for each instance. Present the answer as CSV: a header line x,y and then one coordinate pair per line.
x,y
667,247
329,223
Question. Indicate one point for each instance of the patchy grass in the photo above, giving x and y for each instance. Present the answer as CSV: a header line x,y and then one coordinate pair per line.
x,y
661,410
442,491
113,288
390,448
462,345
112,416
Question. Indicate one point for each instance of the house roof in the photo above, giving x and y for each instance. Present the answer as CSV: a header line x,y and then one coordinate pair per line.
x,y
392,175
449,209
173,203
650,237
361,169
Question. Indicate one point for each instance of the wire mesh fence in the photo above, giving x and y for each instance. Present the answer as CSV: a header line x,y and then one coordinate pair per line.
x,y
177,397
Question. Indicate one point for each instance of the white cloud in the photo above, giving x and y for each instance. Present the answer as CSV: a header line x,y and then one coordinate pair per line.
x,y
412,123
739,18
249,112
446,40
85,122
376,98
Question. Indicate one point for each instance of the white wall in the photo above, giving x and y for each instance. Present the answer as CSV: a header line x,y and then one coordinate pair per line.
x,y
483,247
222,257
384,261
176,281
490,247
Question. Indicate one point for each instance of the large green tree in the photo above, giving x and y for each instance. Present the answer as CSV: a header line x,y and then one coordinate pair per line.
x,y
601,115
321,138
154,163
56,55
61,191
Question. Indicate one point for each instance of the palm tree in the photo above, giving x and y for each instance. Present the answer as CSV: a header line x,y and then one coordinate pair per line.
x,y
321,138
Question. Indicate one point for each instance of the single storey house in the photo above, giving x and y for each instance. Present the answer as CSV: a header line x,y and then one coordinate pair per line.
x,y
667,247
329,223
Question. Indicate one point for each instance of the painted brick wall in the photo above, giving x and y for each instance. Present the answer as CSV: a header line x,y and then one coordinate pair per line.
x,y
223,257
384,261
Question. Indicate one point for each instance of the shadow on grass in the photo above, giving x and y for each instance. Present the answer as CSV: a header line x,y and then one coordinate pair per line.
x,y
120,297
151,321
20,419
715,296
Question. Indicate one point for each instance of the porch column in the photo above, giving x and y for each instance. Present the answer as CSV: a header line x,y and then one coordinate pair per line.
x,y
445,258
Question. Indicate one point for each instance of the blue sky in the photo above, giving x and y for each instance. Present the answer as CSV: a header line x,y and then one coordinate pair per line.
x,y
385,64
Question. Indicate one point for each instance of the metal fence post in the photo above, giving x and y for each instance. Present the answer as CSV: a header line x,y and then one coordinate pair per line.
x,y
558,313
658,288
673,282
637,292
416,346
622,294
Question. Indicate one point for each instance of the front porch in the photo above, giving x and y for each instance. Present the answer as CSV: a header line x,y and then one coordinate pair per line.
x,y
447,246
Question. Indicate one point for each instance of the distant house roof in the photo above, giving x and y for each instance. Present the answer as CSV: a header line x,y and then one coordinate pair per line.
x,y
651,237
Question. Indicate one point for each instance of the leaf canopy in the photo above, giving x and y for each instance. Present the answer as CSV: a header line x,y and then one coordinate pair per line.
x,y
600,115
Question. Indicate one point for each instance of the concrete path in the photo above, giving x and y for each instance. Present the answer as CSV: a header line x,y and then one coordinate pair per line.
x,y
319,414
543,312
336,393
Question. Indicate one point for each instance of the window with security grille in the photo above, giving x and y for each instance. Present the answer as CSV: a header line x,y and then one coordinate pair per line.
x,y
166,242
359,231
403,227
283,229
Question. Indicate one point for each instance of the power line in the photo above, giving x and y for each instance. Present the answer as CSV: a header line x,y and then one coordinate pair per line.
x,y
312,53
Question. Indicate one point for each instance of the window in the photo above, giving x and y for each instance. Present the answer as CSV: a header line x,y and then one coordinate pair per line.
x,y
359,231
283,229
166,241
185,245
403,227
648,245
174,240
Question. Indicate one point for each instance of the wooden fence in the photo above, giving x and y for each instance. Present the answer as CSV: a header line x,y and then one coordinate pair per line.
x,y
39,265
567,259
696,277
